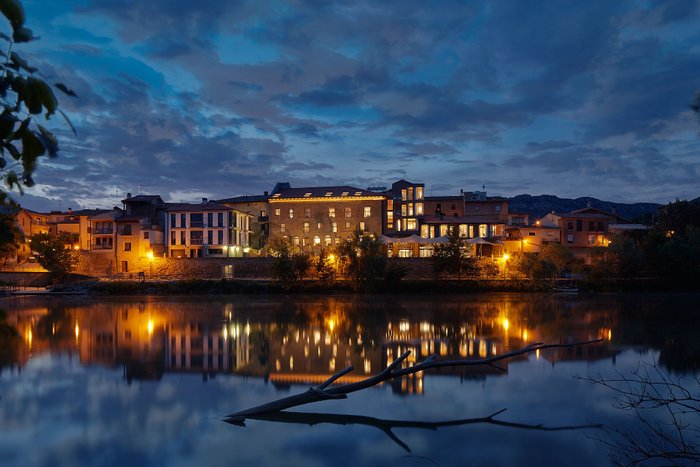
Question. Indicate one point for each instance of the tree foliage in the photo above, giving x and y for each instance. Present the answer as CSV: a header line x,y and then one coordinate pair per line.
x,y
24,98
451,258
289,267
10,236
54,252
364,260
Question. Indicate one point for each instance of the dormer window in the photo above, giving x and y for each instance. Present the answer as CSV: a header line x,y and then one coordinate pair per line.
x,y
345,193
307,195
358,193
329,193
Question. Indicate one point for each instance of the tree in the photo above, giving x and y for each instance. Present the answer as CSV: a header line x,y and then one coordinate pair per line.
x,y
364,259
288,267
325,268
10,236
24,97
448,257
558,256
54,252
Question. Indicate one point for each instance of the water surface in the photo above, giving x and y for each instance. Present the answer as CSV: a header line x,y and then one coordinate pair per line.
x,y
147,381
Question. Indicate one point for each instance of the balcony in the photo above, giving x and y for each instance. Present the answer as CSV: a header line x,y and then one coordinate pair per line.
x,y
198,224
100,246
103,231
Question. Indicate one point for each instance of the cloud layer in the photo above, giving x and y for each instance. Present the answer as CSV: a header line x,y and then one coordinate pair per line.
x,y
226,98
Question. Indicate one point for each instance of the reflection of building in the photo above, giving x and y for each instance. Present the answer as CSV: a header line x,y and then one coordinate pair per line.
x,y
152,337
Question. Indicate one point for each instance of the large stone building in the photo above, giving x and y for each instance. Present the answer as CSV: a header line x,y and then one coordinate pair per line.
x,y
313,218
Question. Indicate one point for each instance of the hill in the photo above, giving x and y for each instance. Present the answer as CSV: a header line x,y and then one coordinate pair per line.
x,y
538,206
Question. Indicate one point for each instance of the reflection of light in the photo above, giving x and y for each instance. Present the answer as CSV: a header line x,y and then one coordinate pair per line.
x,y
537,354
77,331
525,334
331,364
482,349
331,324
609,334
225,333
317,336
404,326
291,363
331,258
505,323
150,326
443,348
29,338
368,366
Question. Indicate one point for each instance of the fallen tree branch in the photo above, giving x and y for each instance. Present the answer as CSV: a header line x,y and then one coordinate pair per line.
x,y
323,392
386,426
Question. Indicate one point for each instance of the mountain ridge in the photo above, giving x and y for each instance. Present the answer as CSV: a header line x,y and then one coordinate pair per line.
x,y
539,205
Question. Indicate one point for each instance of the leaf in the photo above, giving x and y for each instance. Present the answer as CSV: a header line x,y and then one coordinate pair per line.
x,y
31,149
65,117
13,151
13,11
19,62
12,180
22,128
62,87
22,34
45,95
48,140
7,124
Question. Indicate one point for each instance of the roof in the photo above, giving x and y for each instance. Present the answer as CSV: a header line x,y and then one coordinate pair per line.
x,y
244,199
466,199
488,218
196,207
342,191
132,218
142,198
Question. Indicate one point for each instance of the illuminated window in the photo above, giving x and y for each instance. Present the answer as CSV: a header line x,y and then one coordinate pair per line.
x,y
426,251
443,230
362,226
482,230
419,192
403,194
463,230
283,228
347,224
390,205
411,224
403,209
331,212
317,240
328,240
405,253
424,232
410,209
307,195
291,213
307,212
419,209
334,226
319,225
277,211
348,212
306,227
295,241
368,211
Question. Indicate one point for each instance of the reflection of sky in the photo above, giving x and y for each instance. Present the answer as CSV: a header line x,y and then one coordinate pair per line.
x,y
57,413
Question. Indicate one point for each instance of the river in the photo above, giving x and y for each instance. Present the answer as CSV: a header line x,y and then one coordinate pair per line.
x,y
146,381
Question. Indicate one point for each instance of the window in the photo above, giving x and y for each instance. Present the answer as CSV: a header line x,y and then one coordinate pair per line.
x,y
482,230
405,253
419,209
306,226
127,246
497,208
463,229
220,219
419,192
390,205
591,240
328,240
362,226
220,237
210,219
403,210
291,213
331,212
347,224
367,211
424,231
172,220
411,224
410,209
210,237
531,234
295,241
183,220
600,227
283,228
183,238
410,192
443,230
196,237
570,238
426,251
307,212
146,235
579,225
173,238
570,225
348,212
197,220
591,225
277,211
403,194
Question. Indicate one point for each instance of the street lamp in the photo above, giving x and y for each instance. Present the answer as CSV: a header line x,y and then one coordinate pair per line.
x,y
149,255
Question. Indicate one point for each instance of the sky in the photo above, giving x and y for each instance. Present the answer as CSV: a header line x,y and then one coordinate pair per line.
x,y
220,98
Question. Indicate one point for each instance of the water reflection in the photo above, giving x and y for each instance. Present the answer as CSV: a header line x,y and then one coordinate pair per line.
x,y
292,341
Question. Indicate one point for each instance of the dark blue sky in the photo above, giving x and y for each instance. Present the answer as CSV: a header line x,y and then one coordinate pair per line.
x,y
216,98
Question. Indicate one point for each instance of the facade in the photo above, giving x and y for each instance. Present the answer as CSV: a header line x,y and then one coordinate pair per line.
x,y
313,218
206,229
405,208
473,213
259,210
30,223
583,229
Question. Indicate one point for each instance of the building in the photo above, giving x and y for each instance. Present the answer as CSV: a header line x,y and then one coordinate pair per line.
x,y
259,209
583,229
206,229
405,208
313,218
473,213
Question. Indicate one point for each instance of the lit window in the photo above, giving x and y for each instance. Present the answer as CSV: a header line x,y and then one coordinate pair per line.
x,y
358,193
291,213
277,211
331,212
403,209
307,195
411,224
368,211
345,193
329,193
319,225
283,228
410,209
410,192
307,212
306,226
390,205
403,194
317,240
482,230
419,192
419,209
347,224
328,240
295,241
362,226
334,226
348,212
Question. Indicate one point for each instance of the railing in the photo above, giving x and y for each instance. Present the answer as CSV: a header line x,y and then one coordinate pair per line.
x,y
103,231
196,224
101,247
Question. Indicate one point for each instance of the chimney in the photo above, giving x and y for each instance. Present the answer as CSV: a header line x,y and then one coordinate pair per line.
x,y
204,200
128,195
266,193
70,210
